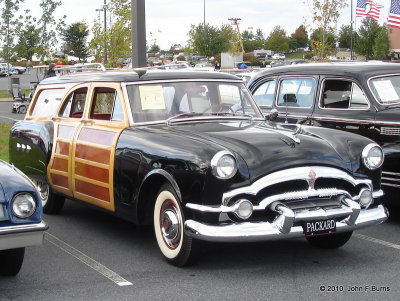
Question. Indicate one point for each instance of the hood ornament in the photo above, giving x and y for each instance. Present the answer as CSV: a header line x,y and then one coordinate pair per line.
x,y
312,177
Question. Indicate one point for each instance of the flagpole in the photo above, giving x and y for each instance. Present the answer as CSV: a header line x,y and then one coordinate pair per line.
x,y
351,33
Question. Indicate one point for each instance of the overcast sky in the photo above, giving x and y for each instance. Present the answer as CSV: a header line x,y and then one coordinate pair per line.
x,y
169,20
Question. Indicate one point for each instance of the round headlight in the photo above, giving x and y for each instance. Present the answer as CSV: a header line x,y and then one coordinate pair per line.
x,y
372,156
223,165
23,205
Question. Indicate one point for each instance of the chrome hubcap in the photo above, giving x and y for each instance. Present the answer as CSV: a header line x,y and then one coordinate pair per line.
x,y
170,224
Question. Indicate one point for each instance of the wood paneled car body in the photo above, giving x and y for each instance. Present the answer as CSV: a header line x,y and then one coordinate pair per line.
x,y
191,153
362,98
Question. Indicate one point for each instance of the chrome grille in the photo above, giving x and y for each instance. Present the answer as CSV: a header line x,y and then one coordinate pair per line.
x,y
390,131
391,179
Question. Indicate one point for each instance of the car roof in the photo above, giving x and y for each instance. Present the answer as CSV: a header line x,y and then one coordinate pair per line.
x,y
346,69
137,75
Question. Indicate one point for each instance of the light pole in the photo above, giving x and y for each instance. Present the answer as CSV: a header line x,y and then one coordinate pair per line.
x,y
99,10
105,30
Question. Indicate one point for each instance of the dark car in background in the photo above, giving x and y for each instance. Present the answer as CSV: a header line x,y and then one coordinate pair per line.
x,y
21,222
191,154
362,98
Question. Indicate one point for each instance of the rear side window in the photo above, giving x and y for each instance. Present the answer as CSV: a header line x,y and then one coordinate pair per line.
x,y
106,105
74,104
47,102
342,94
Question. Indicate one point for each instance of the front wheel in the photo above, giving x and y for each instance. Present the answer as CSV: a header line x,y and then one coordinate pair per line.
x,y
11,261
52,203
174,244
331,241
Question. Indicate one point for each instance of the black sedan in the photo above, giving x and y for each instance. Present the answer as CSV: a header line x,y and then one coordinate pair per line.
x,y
362,98
191,154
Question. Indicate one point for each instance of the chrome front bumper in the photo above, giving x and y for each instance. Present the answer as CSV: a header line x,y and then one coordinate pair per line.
x,y
19,236
282,227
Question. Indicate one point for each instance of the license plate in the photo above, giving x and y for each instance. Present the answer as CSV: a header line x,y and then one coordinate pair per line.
x,y
319,227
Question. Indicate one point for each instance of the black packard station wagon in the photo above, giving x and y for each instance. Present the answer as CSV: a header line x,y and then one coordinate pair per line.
x,y
363,98
191,154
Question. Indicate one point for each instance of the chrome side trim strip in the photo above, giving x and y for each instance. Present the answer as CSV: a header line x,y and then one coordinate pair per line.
x,y
264,231
298,173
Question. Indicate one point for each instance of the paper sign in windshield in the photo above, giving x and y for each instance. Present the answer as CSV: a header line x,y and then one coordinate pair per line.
x,y
386,90
152,97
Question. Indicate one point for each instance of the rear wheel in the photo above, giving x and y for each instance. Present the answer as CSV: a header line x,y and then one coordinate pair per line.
x,y
52,203
11,261
174,244
331,241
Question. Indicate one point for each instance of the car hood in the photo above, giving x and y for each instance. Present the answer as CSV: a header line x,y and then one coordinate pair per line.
x,y
267,147
12,181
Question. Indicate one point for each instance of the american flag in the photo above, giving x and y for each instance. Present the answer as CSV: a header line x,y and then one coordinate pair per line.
x,y
369,9
394,14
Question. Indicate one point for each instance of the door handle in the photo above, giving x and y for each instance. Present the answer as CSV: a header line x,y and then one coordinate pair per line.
x,y
87,121
56,119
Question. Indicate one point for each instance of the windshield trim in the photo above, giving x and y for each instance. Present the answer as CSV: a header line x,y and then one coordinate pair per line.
x,y
200,119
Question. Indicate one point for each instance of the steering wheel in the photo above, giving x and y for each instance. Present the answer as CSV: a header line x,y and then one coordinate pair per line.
x,y
219,108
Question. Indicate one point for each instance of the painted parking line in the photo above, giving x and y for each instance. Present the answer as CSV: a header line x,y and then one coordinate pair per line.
x,y
378,241
98,267
5,117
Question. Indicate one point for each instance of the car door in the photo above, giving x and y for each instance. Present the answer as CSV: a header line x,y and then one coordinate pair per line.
x,y
342,104
94,145
66,123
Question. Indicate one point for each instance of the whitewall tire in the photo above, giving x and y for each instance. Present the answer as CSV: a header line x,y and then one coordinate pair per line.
x,y
169,228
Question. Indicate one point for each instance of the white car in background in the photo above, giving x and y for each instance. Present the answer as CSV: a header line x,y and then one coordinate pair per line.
x,y
278,56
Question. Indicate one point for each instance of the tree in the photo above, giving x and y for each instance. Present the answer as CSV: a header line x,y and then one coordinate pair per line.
x,y
259,35
154,48
9,26
75,40
345,36
325,15
381,45
324,48
116,41
247,35
28,39
210,41
49,27
251,45
300,37
277,40
372,40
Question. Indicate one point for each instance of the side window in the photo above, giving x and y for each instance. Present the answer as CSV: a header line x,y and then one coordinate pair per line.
x,y
264,94
358,99
336,94
106,105
47,102
74,104
297,92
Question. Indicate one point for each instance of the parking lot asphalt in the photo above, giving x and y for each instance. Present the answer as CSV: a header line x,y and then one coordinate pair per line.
x,y
90,255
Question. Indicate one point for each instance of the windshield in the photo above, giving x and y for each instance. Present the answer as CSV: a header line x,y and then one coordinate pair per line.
x,y
386,89
164,100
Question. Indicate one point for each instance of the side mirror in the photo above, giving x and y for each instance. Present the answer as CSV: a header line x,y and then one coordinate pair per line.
x,y
272,115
